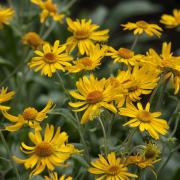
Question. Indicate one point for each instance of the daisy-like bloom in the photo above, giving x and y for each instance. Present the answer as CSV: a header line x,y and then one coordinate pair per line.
x,y
54,176
124,55
167,64
32,39
110,168
48,9
4,97
51,59
137,81
145,120
141,27
49,151
84,35
93,94
171,21
90,62
148,156
30,117
6,15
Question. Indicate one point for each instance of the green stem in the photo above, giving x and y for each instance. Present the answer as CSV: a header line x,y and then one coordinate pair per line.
x,y
62,85
135,42
168,158
10,156
175,111
105,136
69,5
82,138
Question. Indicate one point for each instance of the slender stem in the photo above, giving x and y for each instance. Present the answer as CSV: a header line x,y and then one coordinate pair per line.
x,y
10,3
175,111
175,127
168,158
82,138
105,136
4,159
49,30
135,42
69,5
10,156
62,85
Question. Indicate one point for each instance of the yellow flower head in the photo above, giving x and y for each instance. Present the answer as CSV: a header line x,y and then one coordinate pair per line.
x,y
49,60
138,81
148,156
141,27
54,176
166,63
48,9
110,168
84,35
49,151
4,97
145,120
124,55
6,15
93,94
90,62
30,116
171,21
32,39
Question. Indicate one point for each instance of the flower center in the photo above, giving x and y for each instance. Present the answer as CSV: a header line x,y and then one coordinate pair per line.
x,y
94,97
125,53
151,154
178,19
144,116
113,170
50,7
86,61
44,149
50,58
81,35
142,24
30,114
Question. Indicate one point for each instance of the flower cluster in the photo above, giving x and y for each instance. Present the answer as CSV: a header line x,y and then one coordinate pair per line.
x,y
127,95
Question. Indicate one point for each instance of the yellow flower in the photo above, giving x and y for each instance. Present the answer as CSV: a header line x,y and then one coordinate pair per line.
x,y
4,97
48,9
51,59
148,156
171,21
137,81
49,151
93,94
145,120
89,62
141,27
110,168
30,116
166,63
54,176
124,55
84,35
6,15
32,39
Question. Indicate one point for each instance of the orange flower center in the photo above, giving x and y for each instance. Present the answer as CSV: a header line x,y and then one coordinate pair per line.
x,y
86,61
142,24
44,149
32,39
125,53
30,114
94,97
113,170
81,35
49,58
144,116
50,7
